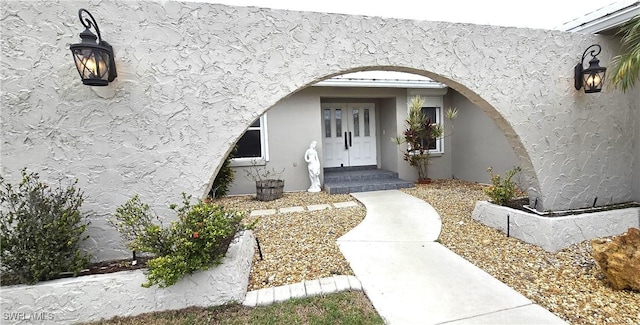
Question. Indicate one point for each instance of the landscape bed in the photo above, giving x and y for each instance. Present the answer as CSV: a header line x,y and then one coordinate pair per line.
x,y
94,297
553,232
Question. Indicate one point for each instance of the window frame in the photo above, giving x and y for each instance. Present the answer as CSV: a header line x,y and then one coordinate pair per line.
x,y
264,146
438,141
432,99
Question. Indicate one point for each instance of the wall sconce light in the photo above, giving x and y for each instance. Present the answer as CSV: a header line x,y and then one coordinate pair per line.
x,y
591,78
94,60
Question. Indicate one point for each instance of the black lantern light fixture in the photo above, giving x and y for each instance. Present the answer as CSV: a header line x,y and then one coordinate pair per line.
x,y
94,60
591,78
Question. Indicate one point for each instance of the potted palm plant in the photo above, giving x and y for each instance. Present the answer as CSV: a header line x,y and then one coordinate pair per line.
x,y
419,135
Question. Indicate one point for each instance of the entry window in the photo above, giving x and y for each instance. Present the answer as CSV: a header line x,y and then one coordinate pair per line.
x,y
433,114
253,143
327,123
339,123
367,131
356,122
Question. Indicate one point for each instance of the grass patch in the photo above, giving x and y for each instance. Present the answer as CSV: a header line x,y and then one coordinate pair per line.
x,y
339,308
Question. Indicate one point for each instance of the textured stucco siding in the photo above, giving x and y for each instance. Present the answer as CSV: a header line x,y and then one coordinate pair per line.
x,y
94,297
193,76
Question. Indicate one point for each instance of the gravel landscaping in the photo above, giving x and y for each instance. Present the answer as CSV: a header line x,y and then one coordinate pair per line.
x,y
298,246
301,246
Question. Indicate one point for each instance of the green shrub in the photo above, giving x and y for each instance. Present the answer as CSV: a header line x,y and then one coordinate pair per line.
x,y
134,220
196,241
502,190
41,229
224,178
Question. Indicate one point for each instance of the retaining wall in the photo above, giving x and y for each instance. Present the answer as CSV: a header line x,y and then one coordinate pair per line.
x,y
93,297
555,233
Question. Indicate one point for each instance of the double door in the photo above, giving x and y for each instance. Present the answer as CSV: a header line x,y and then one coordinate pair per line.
x,y
349,137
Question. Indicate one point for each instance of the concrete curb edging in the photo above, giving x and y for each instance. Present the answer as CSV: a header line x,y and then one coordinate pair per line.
x,y
94,297
323,286
555,233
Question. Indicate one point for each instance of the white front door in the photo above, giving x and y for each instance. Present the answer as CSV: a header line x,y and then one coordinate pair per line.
x,y
349,137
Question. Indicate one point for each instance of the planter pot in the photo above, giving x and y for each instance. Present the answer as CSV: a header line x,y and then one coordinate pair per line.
x,y
269,190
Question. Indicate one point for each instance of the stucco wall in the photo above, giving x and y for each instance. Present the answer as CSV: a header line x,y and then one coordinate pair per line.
x,y
388,126
193,76
477,143
291,126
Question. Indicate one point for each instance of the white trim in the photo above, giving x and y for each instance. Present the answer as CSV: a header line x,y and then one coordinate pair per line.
x,y
264,137
610,16
381,79
381,83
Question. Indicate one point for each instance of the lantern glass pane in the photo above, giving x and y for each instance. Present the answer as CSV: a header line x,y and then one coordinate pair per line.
x,y
593,81
91,63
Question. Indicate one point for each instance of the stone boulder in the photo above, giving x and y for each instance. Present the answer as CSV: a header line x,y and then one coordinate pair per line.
x,y
619,259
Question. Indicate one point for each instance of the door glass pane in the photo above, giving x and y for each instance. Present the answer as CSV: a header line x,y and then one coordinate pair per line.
x,y
366,123
327,123
338,123
356,123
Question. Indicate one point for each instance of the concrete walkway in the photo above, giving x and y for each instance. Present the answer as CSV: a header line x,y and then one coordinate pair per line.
x,y
410,279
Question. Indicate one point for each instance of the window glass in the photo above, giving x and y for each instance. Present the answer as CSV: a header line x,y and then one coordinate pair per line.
x,y
327,123
431,114
251,143
356,122
338,123
249,146
366,123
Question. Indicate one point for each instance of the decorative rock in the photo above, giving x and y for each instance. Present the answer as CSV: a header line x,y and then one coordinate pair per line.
x,y
619,259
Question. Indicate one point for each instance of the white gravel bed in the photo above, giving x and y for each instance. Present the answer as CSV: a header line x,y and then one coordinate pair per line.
x,y
302,246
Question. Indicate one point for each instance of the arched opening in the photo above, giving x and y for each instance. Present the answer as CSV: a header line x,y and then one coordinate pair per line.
x,y
354,114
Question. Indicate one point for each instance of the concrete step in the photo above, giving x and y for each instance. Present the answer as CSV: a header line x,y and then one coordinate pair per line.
x,y
358,175
366,185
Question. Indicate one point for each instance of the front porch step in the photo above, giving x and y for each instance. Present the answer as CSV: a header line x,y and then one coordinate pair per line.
x,y
358,175
342,181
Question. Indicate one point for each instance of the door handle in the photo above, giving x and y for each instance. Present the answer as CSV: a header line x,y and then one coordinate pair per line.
x,y
346,147
350,144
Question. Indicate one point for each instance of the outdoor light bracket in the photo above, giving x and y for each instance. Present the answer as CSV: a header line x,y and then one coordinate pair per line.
x,y
593,50
89,42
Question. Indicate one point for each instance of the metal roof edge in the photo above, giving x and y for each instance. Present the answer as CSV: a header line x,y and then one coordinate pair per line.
x,y
380,83
615,14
